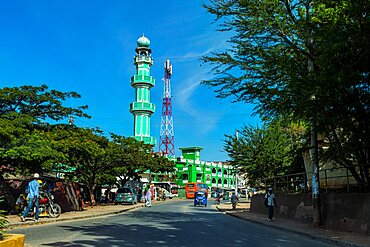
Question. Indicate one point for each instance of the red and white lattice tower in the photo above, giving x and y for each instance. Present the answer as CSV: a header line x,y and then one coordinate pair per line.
x,y
166,145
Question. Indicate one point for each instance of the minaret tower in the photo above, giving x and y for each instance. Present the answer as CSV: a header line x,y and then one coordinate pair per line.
x,y
142,109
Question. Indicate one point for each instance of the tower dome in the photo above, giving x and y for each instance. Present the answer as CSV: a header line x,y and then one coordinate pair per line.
x,y
143,41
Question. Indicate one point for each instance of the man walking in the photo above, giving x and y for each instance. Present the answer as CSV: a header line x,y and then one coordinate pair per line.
x,y
148,197
270,203
234,200
33,197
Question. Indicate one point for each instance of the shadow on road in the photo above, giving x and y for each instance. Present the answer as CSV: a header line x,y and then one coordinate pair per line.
x,y
155,229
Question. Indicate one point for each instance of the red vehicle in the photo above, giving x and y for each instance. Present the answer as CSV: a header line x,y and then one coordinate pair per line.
x,y
191,188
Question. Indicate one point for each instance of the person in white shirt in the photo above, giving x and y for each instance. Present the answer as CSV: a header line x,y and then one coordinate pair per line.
x,y
148,198
270,203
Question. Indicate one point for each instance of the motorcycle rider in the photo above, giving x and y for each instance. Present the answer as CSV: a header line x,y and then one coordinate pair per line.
x,y
218,198
33,197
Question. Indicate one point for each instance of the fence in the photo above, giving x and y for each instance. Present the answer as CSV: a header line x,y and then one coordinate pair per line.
x,y
338,179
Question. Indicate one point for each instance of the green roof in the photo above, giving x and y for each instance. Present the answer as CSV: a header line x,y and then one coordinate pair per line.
x,y
191,149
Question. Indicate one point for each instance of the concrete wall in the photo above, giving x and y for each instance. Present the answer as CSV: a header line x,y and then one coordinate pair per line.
x,y
349,212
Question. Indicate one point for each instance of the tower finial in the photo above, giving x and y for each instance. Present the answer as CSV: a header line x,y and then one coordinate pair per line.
x,y
143,41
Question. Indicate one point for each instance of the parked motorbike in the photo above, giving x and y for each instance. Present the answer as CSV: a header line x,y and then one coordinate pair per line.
x,y
47,206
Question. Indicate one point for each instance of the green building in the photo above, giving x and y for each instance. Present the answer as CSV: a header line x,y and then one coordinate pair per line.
x,y
190,168
142,81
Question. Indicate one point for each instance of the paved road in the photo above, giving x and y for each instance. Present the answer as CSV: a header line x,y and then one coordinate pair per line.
x,y
176,223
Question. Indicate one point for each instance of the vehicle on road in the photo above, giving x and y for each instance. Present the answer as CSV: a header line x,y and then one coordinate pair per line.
x,y
200,198
192,188
170,187
125,195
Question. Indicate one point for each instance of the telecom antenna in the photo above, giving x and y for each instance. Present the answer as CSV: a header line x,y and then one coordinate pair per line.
x,y
166,145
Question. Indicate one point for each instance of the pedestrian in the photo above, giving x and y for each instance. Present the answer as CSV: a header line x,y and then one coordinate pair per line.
x,y
234,200
148,197
33,197
139,194
270,203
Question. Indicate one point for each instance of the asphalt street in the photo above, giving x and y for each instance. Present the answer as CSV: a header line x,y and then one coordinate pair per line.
x,y
176,223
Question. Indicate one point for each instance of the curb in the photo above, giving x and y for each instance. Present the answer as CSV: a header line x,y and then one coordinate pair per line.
x,y
14,240
320,238
51,220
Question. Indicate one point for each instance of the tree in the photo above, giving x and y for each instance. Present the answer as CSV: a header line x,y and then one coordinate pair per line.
x,y
39,102
131,158
344,78
86,150
24,139
267,62
303,60
272,150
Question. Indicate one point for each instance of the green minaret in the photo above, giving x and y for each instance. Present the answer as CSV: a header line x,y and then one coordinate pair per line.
x,y
142,109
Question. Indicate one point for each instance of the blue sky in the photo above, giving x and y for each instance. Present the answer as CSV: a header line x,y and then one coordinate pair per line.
x,y
88,47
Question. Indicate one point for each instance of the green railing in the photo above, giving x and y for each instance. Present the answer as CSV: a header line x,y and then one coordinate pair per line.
x,y
143,59
142,106
146,139
332,179
142,79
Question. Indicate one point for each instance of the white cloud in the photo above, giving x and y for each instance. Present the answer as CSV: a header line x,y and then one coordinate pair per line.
x,y
186,103
190,56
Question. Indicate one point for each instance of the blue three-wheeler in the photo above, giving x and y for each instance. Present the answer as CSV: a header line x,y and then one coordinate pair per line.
x,y
200,198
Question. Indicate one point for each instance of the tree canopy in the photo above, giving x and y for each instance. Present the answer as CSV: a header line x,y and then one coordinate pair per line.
x,y
25,133
39,102
31,143
303,60
130,158
267,151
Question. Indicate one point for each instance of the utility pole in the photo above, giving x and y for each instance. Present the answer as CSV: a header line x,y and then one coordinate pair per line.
x,y
316,206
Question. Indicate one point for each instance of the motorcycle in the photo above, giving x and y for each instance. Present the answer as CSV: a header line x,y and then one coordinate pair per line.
x,y
218,201
47,207
234,205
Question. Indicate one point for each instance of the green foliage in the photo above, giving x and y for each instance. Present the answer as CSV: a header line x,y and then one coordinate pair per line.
x,y
84,149
266,152
25,139
267,60
24,135
131,158
302,60
38,102
3,222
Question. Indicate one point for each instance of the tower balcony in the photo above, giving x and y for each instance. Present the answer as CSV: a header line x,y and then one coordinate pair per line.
x,y
146,139
141,59
142,106
138,80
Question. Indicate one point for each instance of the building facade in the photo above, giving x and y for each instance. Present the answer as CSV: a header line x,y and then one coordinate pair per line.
x,y
190,168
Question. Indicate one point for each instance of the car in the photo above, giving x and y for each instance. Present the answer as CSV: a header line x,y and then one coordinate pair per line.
x,y
125,195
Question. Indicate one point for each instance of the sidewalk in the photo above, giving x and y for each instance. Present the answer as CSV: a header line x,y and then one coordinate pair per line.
x,y
88,212
333,236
